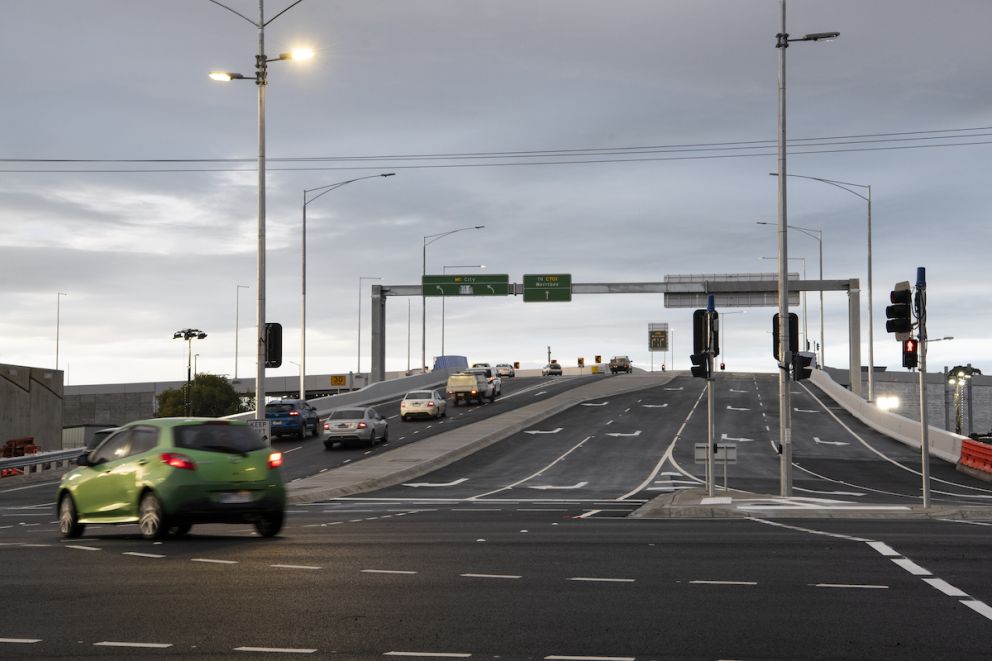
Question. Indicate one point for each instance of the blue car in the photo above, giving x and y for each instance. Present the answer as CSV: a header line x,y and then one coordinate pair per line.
x,y
292,417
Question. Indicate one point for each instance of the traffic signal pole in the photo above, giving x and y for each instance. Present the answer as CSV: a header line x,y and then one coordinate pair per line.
x,y
921,313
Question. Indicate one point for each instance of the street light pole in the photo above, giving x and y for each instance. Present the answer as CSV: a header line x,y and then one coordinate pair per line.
x,y
444,269
360,280
785,419
805,317
237,324
189,334
58,323
319,190
429,239
261,80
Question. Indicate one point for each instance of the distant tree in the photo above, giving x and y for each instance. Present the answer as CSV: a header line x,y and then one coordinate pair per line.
x,y
212,396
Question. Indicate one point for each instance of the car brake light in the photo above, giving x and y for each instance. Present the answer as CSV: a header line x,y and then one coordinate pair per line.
x,y
403,404
362,425
275,459
294,412
327,425
475,392
430,403
177,460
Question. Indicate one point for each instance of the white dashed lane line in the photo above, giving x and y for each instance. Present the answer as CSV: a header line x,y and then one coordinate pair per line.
x,y
851,586
143,555
431,655
911,567
20,641
510,576
213,561
388,571
945,587
594,579
723,583
275,650
111,643
82,548
296,567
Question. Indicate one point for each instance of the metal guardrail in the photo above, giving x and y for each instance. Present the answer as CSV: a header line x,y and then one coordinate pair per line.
x,y
42,460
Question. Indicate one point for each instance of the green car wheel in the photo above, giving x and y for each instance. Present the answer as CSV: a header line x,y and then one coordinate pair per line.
x,y
151,517
269,525
69,524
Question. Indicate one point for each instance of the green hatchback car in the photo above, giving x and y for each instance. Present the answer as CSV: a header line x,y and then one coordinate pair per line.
x,y
167,474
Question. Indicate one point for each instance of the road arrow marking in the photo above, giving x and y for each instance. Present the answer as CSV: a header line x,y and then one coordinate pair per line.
x,y
732,390
734,408
536,431
804,410
435,484
724,437
596,404
828,442
655,406
545,487
679,388
636,433
543,392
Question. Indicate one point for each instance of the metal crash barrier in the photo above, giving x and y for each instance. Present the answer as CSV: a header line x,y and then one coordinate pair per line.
x,y
35,463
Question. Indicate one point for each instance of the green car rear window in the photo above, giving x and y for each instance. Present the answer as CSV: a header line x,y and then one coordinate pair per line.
x,y
218,438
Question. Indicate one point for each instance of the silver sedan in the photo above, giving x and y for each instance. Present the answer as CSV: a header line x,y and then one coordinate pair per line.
x,y
355,425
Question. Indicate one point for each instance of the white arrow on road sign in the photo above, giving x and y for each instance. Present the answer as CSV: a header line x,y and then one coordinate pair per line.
x,y
724,437
636,433
435,484
655,406
490,288
804,410
734,408
536,431
828,442
544,487
596,404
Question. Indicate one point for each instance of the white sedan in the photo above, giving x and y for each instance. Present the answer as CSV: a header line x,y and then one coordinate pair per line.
x,y
423,404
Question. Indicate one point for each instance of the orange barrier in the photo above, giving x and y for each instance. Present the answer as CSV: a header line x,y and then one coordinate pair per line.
x,y
976,455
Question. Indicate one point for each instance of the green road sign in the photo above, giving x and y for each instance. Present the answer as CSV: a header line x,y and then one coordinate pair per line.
x,y
547,288
476,284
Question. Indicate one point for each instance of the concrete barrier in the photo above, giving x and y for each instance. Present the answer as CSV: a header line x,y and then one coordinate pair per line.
x,y
943,444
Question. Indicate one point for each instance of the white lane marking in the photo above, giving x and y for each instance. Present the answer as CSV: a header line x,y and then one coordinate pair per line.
x,y
392,417
979,607
298,447
588,514
973,523
439,655
20,640
620,435
489,576
577,485
143,555
884,549
609,422
817,440
275,650
559,657
387,571
945,587
853,586
295,566
717,500
803,410
679,388
435,484
82,548
724,437
30,486
543,392
597,579
733,390
111,643
594,403
654,406
216,562
911,567
829,493
723,582
539,431
538,473
734,408
667,456
809,530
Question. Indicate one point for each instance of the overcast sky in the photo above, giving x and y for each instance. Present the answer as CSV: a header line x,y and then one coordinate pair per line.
x,y
143,254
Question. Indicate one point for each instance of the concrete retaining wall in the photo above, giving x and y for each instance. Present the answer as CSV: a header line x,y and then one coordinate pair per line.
x,y
31,405
943,444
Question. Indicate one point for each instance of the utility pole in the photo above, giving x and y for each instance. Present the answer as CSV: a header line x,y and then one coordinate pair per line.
x,y
921,315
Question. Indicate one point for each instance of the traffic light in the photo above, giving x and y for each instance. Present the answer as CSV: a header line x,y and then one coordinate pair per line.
x,y
900,313
801,366
700,341
793,335
910,353
700,365
273,345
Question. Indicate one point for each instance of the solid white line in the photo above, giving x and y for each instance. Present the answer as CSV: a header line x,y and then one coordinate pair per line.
x,y
489,576
216,562
530,477
82,548
911,567
945,587
387,571
852,586
593,579
809,530
30,486
588,514
979,607
723,582
295,566
558,657
20,640
974,523
884,549
443,655
108,643
276,650
143,555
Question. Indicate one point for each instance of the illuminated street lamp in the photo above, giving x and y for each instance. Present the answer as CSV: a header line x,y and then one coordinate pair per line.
x,y
189,334
261,80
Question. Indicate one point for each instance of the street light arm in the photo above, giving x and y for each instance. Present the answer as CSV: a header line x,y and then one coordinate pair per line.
x,y
833,182
281,13
329,187
808,232
438,237
221,4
